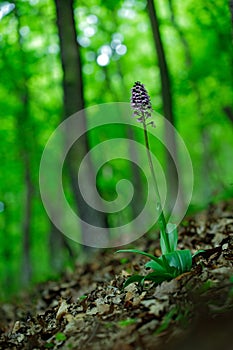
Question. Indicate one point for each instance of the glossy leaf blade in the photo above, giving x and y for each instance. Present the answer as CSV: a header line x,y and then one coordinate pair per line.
x,y
133,279
158,278
172,235
152,257
155,266
180,259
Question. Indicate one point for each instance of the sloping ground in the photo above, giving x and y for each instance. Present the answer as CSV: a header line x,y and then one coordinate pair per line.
x,y
90,310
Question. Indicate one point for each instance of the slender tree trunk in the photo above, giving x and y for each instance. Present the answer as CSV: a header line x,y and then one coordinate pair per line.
x,y
27,266
229,112
74,102
7,252
172,176
58,246
22,125
231,9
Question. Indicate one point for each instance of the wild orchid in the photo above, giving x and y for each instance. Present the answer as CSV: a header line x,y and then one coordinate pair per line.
x,y
172,262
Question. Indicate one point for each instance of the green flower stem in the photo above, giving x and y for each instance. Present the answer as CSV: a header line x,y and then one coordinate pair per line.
x,y
161,218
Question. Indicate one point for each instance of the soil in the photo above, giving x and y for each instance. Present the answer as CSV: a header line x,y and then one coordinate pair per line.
x,y
89,309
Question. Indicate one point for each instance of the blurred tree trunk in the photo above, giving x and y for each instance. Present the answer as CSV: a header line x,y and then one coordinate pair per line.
x,y
7,251
229,112
74,102
23,131
172,165
231,9
58,245
27,265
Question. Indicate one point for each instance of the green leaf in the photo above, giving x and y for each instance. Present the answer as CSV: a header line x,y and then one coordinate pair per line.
x,y
172,235
166,321
155,266
168,268
142,253
133,279
198,252
128,322
83,297
157,277
180,259
60,336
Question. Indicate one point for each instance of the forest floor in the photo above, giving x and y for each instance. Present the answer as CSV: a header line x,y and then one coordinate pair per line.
x,y
89,309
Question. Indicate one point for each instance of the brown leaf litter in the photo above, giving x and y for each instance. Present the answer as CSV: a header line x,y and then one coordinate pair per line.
x,y
89,309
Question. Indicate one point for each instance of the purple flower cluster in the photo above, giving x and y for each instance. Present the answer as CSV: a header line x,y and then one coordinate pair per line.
x,y
140,103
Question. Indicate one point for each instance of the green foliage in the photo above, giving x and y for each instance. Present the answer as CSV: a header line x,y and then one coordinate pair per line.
x,y
166,267
124,260
231,290
206,286
60,336
128,322
83,297
166,321
172,236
